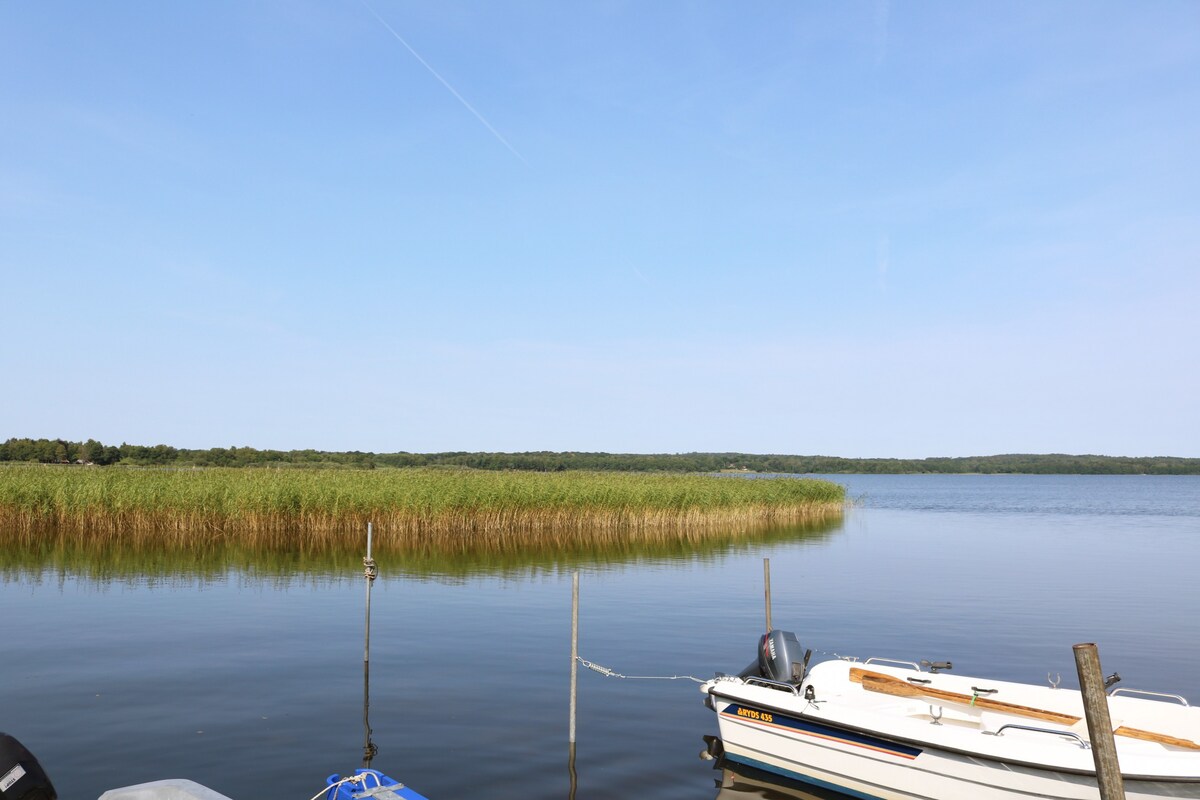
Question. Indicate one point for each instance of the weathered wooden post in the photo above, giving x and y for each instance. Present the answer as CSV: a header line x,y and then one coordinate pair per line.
x,y
767,589
1100,732
370,570
574,651
574,680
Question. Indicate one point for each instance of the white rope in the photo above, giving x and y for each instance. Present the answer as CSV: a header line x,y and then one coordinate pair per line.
x,y
332,786
608,673
379,788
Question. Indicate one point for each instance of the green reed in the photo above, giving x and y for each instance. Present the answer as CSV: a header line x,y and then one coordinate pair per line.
x,y
449,508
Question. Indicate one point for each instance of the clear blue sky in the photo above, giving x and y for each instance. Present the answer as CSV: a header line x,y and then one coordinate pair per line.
x,y
846,228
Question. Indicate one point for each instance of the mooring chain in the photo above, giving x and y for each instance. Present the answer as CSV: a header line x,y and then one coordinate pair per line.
x,y
608,673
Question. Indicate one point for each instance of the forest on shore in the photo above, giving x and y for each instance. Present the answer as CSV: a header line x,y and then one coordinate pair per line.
x,y
61,451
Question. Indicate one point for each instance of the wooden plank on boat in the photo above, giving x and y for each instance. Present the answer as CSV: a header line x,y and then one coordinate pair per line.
x,y
887,684
1161,738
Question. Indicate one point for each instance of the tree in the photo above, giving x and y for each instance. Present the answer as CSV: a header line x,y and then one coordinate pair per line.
x,y
92,452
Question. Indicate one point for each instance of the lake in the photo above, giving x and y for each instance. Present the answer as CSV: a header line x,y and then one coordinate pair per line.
x,y
248,678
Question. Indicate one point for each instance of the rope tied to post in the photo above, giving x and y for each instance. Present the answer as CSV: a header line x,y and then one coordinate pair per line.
x,y
610,673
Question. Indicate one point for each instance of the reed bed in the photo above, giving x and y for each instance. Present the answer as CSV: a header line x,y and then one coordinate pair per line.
x,y
447,510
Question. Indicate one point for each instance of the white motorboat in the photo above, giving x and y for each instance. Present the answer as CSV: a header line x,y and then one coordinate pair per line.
x,y
889,730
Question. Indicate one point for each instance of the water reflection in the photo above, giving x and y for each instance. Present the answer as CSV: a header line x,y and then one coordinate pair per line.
x,y
572,774
66,556
739,782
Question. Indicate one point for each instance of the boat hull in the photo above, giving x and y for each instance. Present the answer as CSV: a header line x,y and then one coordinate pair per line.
x,y
865,765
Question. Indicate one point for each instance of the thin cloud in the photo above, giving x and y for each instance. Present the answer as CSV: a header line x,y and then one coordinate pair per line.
x,y
445,83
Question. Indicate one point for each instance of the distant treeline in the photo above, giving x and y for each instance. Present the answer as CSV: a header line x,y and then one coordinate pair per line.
x,y
60,451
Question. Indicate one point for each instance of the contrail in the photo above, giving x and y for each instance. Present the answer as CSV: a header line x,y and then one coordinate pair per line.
x,y
445,83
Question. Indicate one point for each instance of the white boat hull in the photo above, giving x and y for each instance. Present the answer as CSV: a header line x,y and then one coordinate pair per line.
x,y
888,748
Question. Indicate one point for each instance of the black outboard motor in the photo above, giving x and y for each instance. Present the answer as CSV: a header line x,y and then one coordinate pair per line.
x,y
779,658
21,776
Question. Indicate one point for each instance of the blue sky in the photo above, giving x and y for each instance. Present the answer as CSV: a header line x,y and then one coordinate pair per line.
x,y
859,229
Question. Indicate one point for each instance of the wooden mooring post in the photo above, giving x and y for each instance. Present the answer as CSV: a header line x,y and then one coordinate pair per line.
x,y
767,589
370,571
574,683
574,653
1100,732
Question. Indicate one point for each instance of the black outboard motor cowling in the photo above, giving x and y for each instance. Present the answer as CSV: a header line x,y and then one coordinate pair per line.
x,y
779,658
21,776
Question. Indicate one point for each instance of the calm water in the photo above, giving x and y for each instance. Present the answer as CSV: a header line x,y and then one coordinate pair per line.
x,y
251,681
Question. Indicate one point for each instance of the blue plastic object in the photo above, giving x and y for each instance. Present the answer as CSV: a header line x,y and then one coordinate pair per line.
x,y
374,785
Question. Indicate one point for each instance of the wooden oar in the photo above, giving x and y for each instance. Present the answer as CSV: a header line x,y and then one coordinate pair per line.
x,y
887,684
1161,738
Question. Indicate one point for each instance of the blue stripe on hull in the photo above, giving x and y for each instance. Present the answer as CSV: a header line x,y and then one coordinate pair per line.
x,y
756,716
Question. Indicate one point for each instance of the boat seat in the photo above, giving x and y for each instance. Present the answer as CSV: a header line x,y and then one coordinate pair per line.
x,y
990,721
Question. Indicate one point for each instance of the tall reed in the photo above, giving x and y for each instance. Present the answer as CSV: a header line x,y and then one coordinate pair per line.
x,y
449,509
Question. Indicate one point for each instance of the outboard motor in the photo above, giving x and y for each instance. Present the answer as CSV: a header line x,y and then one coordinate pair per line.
x,y
779,658
21,776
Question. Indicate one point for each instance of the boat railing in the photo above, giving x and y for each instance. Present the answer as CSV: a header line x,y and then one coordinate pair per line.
x,y
1164,695
1033,729
912,664
770,684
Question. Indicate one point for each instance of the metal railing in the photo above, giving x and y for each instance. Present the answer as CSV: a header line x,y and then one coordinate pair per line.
x,y
1176,697
770,684
1033,729
912,664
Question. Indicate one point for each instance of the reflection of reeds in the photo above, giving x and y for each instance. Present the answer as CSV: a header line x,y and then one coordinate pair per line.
x,y
65,554
444,510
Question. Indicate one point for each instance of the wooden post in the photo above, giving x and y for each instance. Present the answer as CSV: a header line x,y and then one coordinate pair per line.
x,y
1100,732
574,654
369,572
767,589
